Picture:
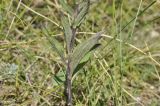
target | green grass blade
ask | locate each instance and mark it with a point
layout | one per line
(138, 15)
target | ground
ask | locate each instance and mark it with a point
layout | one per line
(123, 71)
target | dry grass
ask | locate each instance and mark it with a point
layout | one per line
(119, 73)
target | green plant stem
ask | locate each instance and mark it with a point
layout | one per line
(68, 85)
(68, 72)
(77, 18)
(73, 38)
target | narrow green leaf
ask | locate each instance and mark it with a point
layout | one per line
(78, 69)
(66, 7)
(82, 11)
(56, 46)
(86, 57)
(67, 31)
(59, 78)
(82, 49)
(84, 60)
(141, 13)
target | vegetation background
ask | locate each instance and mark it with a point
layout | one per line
(124, 71)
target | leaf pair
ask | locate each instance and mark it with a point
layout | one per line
(78, 13)
(80, 52)
(77, 17)
(82, 10)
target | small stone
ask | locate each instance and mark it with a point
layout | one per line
(152, 87)
(154, 34)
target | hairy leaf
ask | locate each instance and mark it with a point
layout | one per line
(82, 11)
(66, 7)
(56, 46)
(85, 59)
(67, 31)
(82, 49)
